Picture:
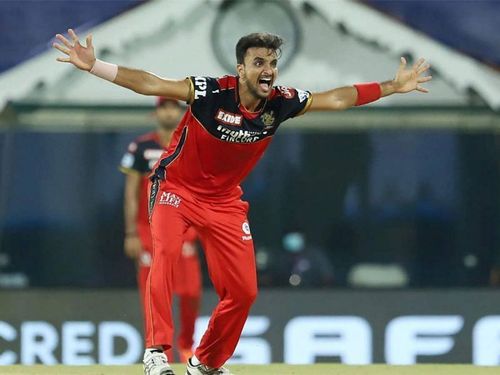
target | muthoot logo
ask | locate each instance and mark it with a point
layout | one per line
(169, 199)
(245, 227)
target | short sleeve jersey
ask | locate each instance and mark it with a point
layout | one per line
(142, 154)
(218, 141)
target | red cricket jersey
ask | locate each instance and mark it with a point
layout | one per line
(218, 142)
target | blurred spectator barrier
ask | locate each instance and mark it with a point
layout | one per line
(417, 187)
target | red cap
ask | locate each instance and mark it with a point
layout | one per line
(160, 100)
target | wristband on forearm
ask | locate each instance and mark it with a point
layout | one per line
(104, 70)
(368, 92)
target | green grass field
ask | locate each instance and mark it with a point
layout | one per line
(275, 369)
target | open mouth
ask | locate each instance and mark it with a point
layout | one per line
(265, 83)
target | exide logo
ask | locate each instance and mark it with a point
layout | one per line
(228, 118)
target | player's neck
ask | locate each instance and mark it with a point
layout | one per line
(247, 99)
(165, 136)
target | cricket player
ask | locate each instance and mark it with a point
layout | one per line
(229, 124)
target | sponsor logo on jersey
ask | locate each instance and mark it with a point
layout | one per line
(268, 119)
(170, 199)
(287, 92)
(245, 227)
(237, 136)
(229, 118)
(200, 87)
(303, 95)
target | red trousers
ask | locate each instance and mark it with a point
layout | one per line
(187, 286)
(226, 239)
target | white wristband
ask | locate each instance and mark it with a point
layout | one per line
(104, 70)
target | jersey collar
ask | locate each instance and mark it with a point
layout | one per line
(245, 112)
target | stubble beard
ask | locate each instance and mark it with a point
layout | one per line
(255, 92)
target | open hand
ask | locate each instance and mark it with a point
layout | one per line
(407, 80)
(78, 55)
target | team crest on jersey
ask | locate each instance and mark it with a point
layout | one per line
(268, 119)
(229, 118)
(287, 92)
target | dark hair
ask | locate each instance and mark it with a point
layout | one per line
(265, 40)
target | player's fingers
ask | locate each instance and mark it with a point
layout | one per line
(63, 59)
(63, 40)
(88, 41)
(422, 89)
(422, 68)
(61, 48)
(418, 63)
(424, 79)
(402, 63)
(73, 36)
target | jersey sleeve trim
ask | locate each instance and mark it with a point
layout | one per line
(306, 107)
(190, 98)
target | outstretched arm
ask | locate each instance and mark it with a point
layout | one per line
(406, 80)
(83, 57)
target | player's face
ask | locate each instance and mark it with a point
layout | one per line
(259, 71)
(168, 115)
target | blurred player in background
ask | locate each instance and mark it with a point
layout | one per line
(226, 130)
(141, 156)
